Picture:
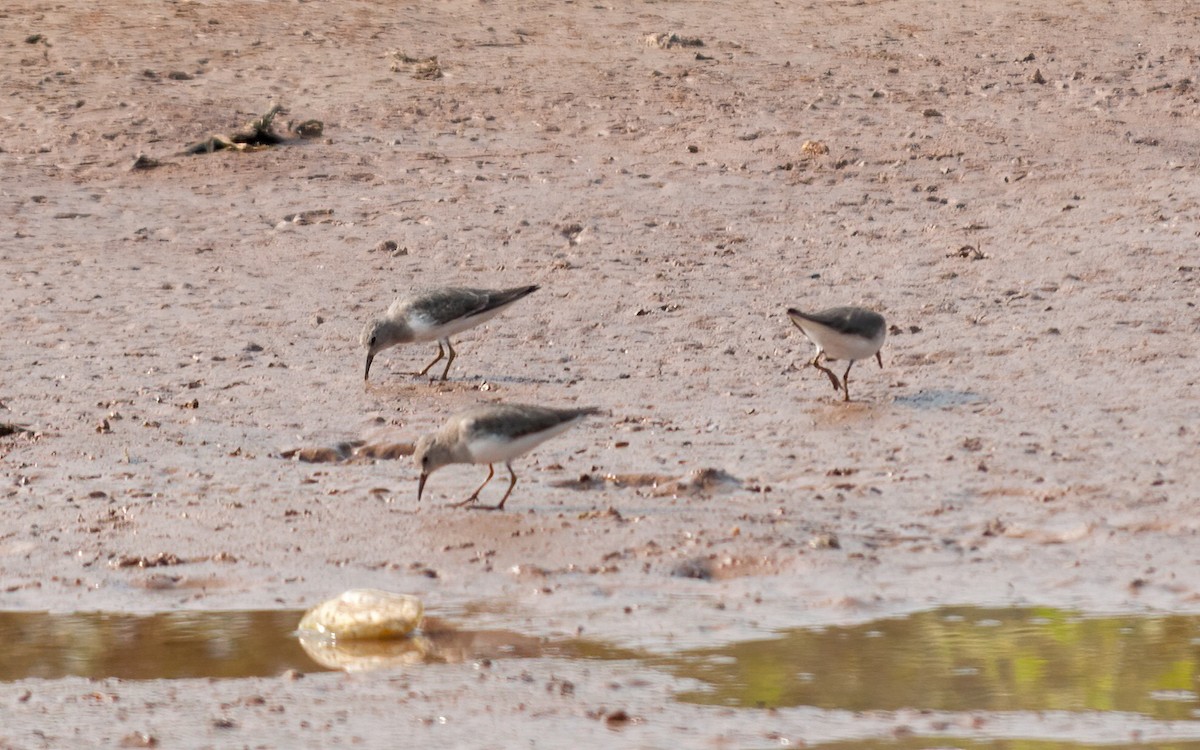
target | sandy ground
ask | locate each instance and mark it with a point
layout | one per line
(1013, 184)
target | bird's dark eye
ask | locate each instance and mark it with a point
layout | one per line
(372, 341)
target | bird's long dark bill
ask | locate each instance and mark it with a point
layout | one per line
(367, 373)
(879, 359)
(421, 486)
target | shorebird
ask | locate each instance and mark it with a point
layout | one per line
(489, 435)
(850, 333)
(436, 315)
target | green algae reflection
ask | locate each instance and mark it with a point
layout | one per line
(962, 659)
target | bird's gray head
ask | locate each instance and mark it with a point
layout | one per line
(373, 339)
(372, 335)
(429, 456)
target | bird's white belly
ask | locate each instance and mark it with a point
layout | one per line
(840, 346)
(493, 448)
(425, 329)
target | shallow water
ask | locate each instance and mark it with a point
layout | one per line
(160, 646)
(962, 659)
(952, 659)
(225, 645)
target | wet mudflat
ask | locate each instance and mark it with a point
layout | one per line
(184, 426)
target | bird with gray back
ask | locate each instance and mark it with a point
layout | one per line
(850, 333)
(436, 315)
(490, 435)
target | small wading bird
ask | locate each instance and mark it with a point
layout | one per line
(490, 435)
(850, 333)
(436, 315)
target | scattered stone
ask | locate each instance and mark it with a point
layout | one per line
(814, 148)
(825, 540)
(364, 614)
(420, 68)
(154, 561)
(312, 216)
(609, 512)
(307, 128)
(141, 161)
(617, 718)
(697, 567)
(671, 40)
(571, 232)
(1037, 77)
(698, 482)
(970, 252)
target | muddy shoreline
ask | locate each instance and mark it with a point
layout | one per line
(1009, 184)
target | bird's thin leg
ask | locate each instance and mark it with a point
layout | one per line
(832, 378)
(879, 359)
(453, 354)
(475, 495)
(512, 483)
(846, 381)
(436, 359)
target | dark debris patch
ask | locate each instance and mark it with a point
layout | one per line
(700, 568)
(142, 561)
(258, 133)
